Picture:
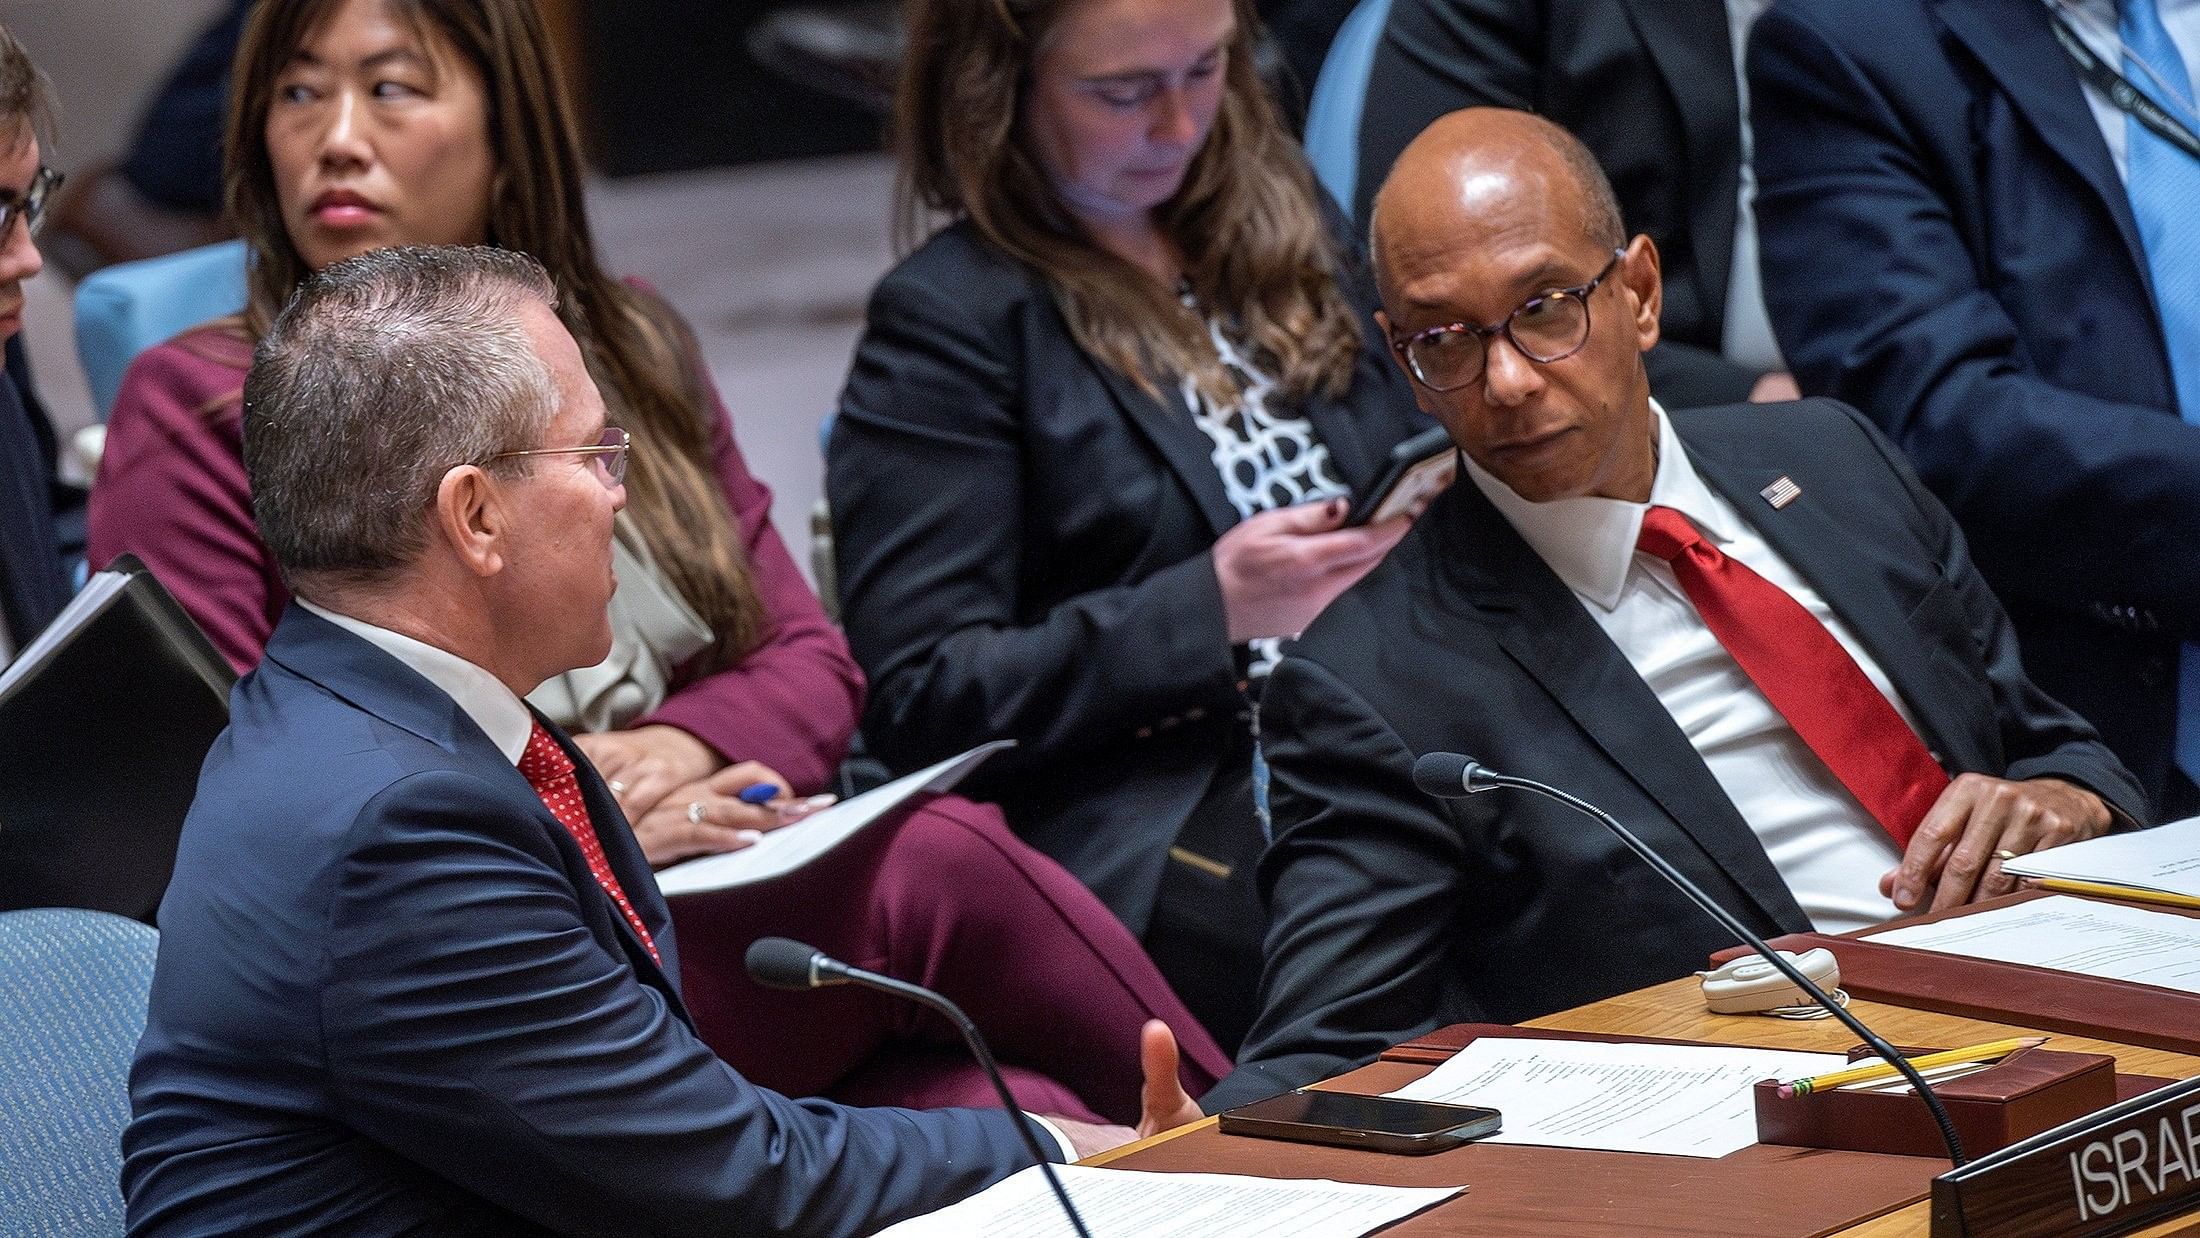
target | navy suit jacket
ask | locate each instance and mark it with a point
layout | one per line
(1947, 246)
(1394, 913)
(390, 998)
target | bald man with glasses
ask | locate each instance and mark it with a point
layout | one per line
(1747, 631)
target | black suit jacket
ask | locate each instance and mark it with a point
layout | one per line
(1948, 247)
(391, 999)
(1394, 913)
(1647, 85)
(1022, 537)
(34, 583)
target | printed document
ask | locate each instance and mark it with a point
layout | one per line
(1125, 1203)
(2165, 859)
(789, 847)
(1676, 1100)
(2070, 934)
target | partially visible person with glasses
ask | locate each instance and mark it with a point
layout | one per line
(362, 124)
(34, 504)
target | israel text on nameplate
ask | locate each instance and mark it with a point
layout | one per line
(2105, 1173)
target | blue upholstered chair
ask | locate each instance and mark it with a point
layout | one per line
(1340, 95)
(73, 987)
(123, 310)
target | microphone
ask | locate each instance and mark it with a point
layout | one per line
(1451, 776)
(781, 963)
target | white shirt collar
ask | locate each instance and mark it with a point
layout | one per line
(1590, 542)
(501, 716)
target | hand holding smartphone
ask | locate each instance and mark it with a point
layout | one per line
(1376, 1123)
(1418, 470)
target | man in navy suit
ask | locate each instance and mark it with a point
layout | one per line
(414, 974)
(33, 582)
(1747, 631)
(1968, 240)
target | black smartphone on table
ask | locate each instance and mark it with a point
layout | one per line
(1417, 470)
(1376, 1123)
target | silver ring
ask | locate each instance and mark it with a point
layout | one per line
(617, 787)
(695, 812)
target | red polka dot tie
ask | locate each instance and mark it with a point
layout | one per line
(1806, 674)
(550, 772)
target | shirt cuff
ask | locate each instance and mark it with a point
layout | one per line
(1061, 1141)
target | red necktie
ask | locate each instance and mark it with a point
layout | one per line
(550, 772)
(1806, 674)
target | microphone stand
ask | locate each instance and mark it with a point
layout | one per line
(1490, 779)
(824, 970)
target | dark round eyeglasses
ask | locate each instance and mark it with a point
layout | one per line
(610, 452)
(31, 206)
(1545, 328)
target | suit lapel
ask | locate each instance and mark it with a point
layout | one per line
(1849, 572)
(1169, 428)
(1546, 630)
(2012, 40)
(1699, 73)
(376, 683)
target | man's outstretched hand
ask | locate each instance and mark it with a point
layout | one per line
(1164, 1105)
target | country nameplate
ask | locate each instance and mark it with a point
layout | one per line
(2106, 1173)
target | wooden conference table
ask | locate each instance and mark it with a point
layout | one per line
(1675, 1011)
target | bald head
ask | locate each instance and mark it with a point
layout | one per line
(1491, 166)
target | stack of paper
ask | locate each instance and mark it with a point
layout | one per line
(2164, 860)
(1677, 1100)
(2070, 934)
(1123, 1203)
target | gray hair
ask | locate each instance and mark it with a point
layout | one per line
(382, 373)
(26, 97)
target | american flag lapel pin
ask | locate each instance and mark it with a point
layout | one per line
(1781, 493)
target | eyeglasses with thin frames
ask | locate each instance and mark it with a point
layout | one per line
(32, 205)
(610, 451)
(1550, 327)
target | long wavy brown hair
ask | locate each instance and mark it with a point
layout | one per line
(640, 353)
(1246, 218)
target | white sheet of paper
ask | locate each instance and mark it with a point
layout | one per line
(1675, 1100)
(789, 847)
(1126, 1203)
(2165, 858)
(2073, 935)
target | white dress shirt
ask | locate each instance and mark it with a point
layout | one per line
(502, 716)
(1828, 849)
(2096, 23)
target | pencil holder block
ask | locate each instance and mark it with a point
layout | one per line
(2025, 1093)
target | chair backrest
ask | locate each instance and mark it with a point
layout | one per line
(1340, 96)
(73, 988)
(125, 309)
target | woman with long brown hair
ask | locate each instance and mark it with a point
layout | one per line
(359, 124)
(1094, 454)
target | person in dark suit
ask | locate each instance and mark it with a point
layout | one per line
(1953, 245)
(1651, 86)
(1747, 632)
(1096, 449)
(432, 988)
(34, 583)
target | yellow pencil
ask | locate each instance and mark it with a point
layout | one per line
(1992, 1051)
(2064, 885)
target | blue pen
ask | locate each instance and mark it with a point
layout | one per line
(759, 793)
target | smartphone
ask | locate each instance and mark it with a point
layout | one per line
(1377, 1123)
(1418, 469)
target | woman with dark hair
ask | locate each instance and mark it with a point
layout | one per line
(358, 124)
(1094, 455)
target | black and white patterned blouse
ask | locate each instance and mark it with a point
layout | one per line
(1267, 456)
